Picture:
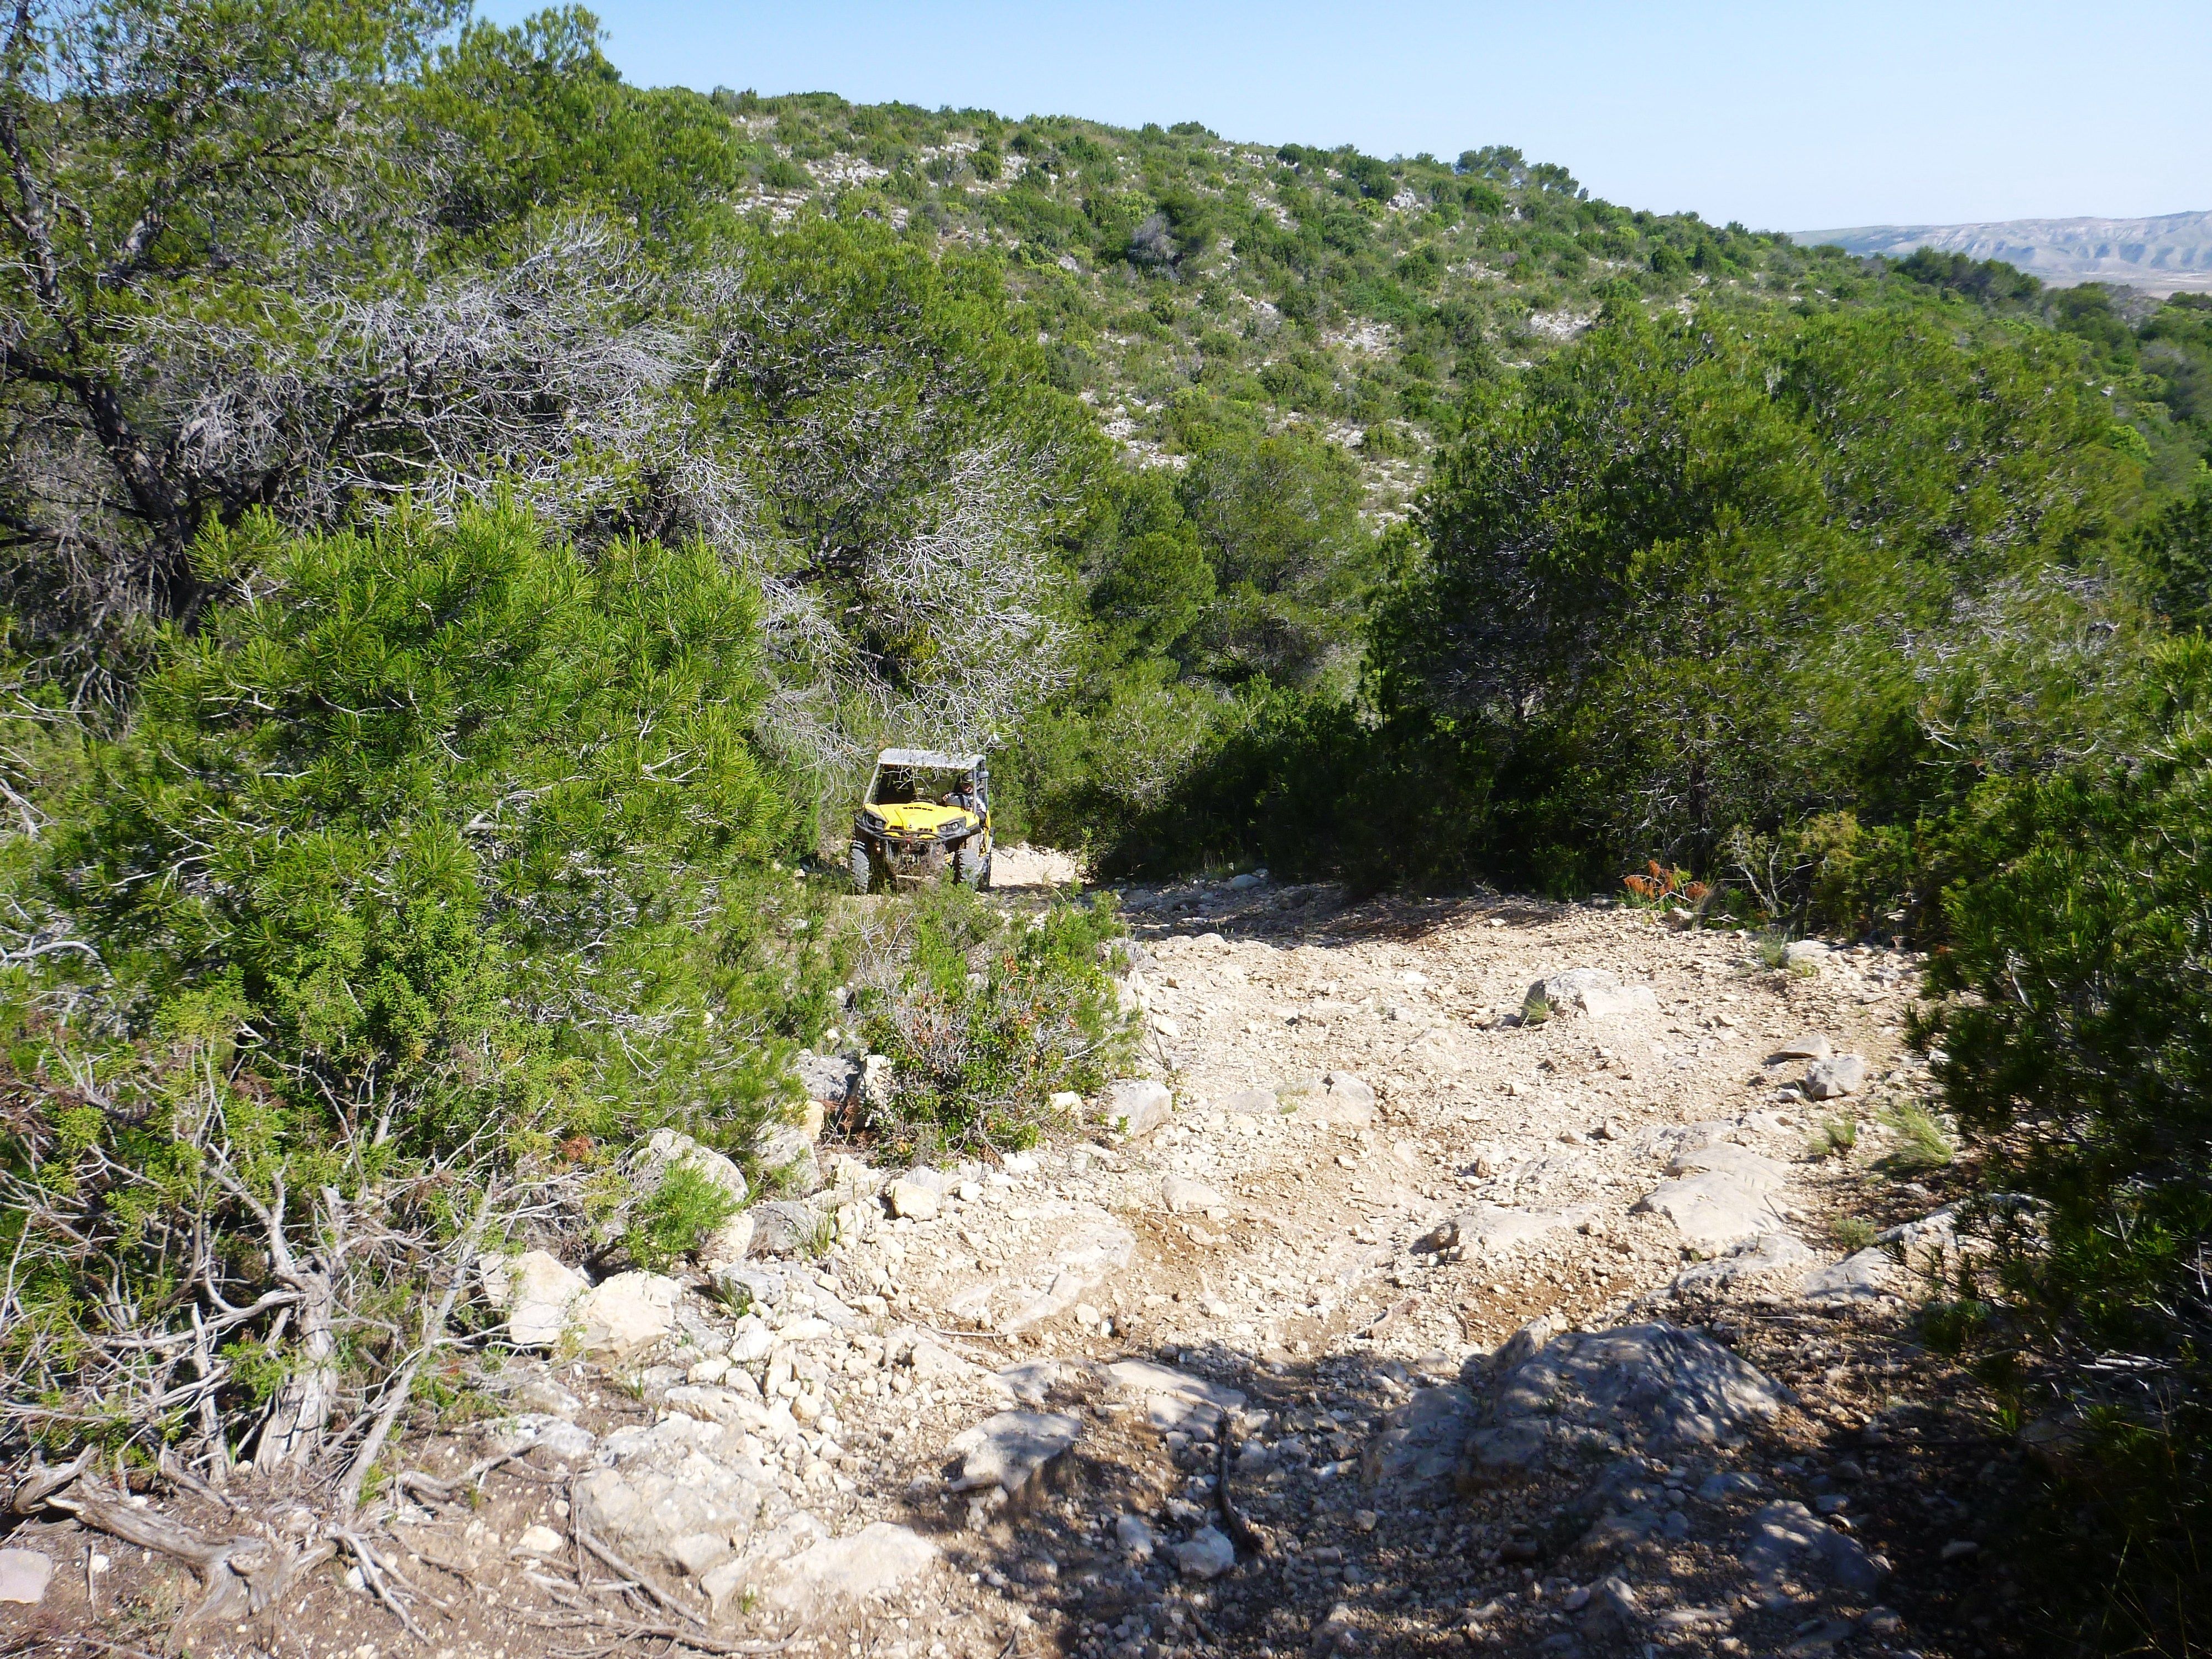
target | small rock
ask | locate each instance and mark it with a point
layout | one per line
(1184, 1196)
(1804, 953)
(1065, 1103)
(1803, 1048)
(537, 1291)
(24, 1576)
(1134, 1537)
(913, 1201)
(1835, 1076)
(1007, 1448)
(1786, 1538)
(1244, 883)
(1335, 1633)
(539, 1540)
(1729, 1483)
(876, 1080)
(783, 1227)
(1959, 1548)
(1137, 1106)
(1612, 1610)
(1208, 1554)
(730, 1243)
(1590, 991)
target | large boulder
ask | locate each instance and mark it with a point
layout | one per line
(1867, 1275)
(784, 1226)
(786, 1149)
(1091, 1250)
(1657, 1386)
(1768, 1256)
(669, 1149)
(1497, 1229)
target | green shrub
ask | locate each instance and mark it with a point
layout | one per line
(681, 1214)
(2074, 1041)
(985, 1019)
(1922, 1144)
(438, 860)
(1852, 1233)
(1835, 1138)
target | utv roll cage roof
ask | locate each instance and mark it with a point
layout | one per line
(934, 758)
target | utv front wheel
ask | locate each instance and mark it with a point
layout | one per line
(972, 865)
(862, 868)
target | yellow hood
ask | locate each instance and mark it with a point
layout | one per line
(918, 818)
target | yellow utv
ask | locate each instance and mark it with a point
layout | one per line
(927, 816)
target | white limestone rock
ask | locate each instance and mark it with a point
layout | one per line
(537, 1291)
(1137, 1106)
(1589, 991)
(1184, 1196)
(1008, 1448)
(627, 1312)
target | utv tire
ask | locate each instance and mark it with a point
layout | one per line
(970, 868)
(862, 868)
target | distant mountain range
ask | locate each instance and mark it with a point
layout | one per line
(2159, 256)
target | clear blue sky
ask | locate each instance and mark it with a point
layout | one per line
(1790, 114)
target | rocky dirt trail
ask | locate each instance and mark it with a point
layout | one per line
(1380, 1317)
